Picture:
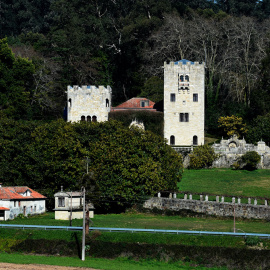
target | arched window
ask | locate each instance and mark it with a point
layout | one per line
(187, 78)
(69, 102)
(88, 118)
(195, 140)
(107, 103)
(82, 118)
(181, 78)
(172, 140)
(94, 118)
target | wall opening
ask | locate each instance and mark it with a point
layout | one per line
(107, 102)
(172, 97)
(172, 140)
(82, 118)
(195, 140)
(94, 118)
(88, 118)
(69, 103)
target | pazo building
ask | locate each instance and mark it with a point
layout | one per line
(184, 103)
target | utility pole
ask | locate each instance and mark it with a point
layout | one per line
(234, 217)
(70, 218)
(83, 236)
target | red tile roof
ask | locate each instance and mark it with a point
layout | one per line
(134, 103)
(11, 193)
(4, 208)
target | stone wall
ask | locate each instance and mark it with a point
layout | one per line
(88, 103)
(222, 209)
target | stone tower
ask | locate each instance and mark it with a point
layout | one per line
(184, 103)
(88, 103)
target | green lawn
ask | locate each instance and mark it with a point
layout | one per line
(150, 221)
(106, 264)
(227, 182)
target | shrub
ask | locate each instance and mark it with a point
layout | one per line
(250, 160)
(252, 240)
(202, 157)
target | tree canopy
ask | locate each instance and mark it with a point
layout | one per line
(125, 164)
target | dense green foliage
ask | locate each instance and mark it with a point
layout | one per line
(125, 43)
(125, 164)
(202, 156)
(251, 160)
(153, 121)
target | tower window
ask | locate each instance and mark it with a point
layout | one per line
(184, 117)
(69, 102)
(82, 118)
(107, 103)
(195, 97)
(172, 97)
(195, 140)
(172, 140)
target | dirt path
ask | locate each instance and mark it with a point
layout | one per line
(39, 267)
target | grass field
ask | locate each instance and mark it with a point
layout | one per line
(106, 264)
(150, 221)
(227, 182)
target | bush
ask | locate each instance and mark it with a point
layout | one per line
(202, 157)
(250, 160)
(252, 240)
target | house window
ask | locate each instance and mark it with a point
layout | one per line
(94, 118)
(172, 97)
(61, 202)
(14, 203)
(35, 209)
(195, 140)
(172, 140)
(82, 118)
(195, 97)
(144, 103)
(19, 203)
(181, 78)
(184, 117)
(187, 78)
(88, 118)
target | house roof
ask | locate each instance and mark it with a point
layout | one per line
(12, 193)
(68, 194)
(184, 61)
(4, 208)
(135, 103)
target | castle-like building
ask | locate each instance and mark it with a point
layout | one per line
(88, 103)
(184, 103)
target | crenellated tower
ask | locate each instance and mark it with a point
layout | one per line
(88, 103)
(184, 103)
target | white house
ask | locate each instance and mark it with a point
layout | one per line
(20, 200)
(70, 205)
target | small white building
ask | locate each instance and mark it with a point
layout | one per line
(70, 204)
(20, 200)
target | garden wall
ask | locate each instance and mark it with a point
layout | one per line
(223, 209)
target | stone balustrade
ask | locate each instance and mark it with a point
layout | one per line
(218, 198)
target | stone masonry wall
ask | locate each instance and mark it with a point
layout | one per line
(222, 209)
(184, 102)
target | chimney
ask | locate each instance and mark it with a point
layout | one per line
(61, 188)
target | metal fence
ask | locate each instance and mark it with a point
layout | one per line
(128, 230)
